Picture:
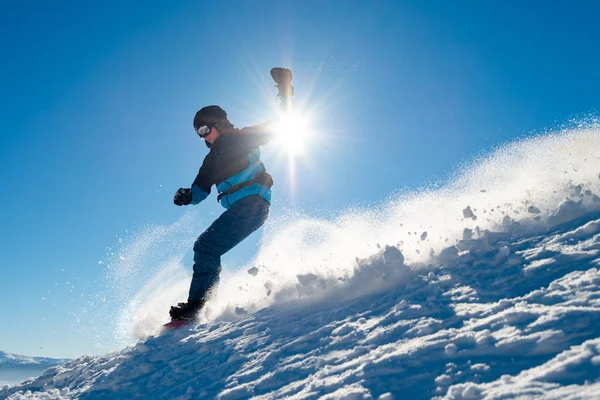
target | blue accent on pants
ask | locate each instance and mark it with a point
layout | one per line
(234, 225)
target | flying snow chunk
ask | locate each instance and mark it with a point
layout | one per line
(392, 254)
(253, 271)
(307, 279)
(467, 234)
(241, 311)
(533, 210)
(468, 213)
(424, 235)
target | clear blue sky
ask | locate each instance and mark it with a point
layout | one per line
(98, 98)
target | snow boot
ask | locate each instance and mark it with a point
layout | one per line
(186, 311)
(283, 78)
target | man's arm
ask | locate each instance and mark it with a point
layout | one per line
(258, 135)
(202, 183)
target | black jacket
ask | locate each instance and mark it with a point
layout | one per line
(234, 158)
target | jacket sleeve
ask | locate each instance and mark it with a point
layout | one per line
(258, 135)
(203, 182)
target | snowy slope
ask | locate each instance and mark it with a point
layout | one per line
(486, 288)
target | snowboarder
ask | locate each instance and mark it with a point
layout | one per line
(233, 164)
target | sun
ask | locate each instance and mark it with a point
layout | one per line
(293, 133)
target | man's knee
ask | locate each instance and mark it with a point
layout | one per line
(205, 247)
(206, 262)
(208, 276)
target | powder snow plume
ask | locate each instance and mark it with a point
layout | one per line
(524, 186)
(486, 287)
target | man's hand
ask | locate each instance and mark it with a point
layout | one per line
(183, 197)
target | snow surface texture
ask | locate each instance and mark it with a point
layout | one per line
(485, 288)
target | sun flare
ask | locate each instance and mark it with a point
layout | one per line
(293, 134)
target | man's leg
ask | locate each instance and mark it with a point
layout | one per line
(233, 226)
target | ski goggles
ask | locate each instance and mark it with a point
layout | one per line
(204, 130)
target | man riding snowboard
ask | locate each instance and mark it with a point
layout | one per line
(233, 164)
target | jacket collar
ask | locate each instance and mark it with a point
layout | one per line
(226, 132)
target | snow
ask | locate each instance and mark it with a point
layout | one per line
(505, 304)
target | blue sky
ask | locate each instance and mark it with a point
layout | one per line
(98, 98)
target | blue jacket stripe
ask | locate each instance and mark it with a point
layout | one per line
(198, 194)
(247, 174)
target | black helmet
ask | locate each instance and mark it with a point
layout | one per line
(211, 115)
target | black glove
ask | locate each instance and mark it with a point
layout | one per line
(183, 197)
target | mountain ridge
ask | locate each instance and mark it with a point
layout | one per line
(8, 359)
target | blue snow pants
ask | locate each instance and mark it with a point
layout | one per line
(234, 225)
